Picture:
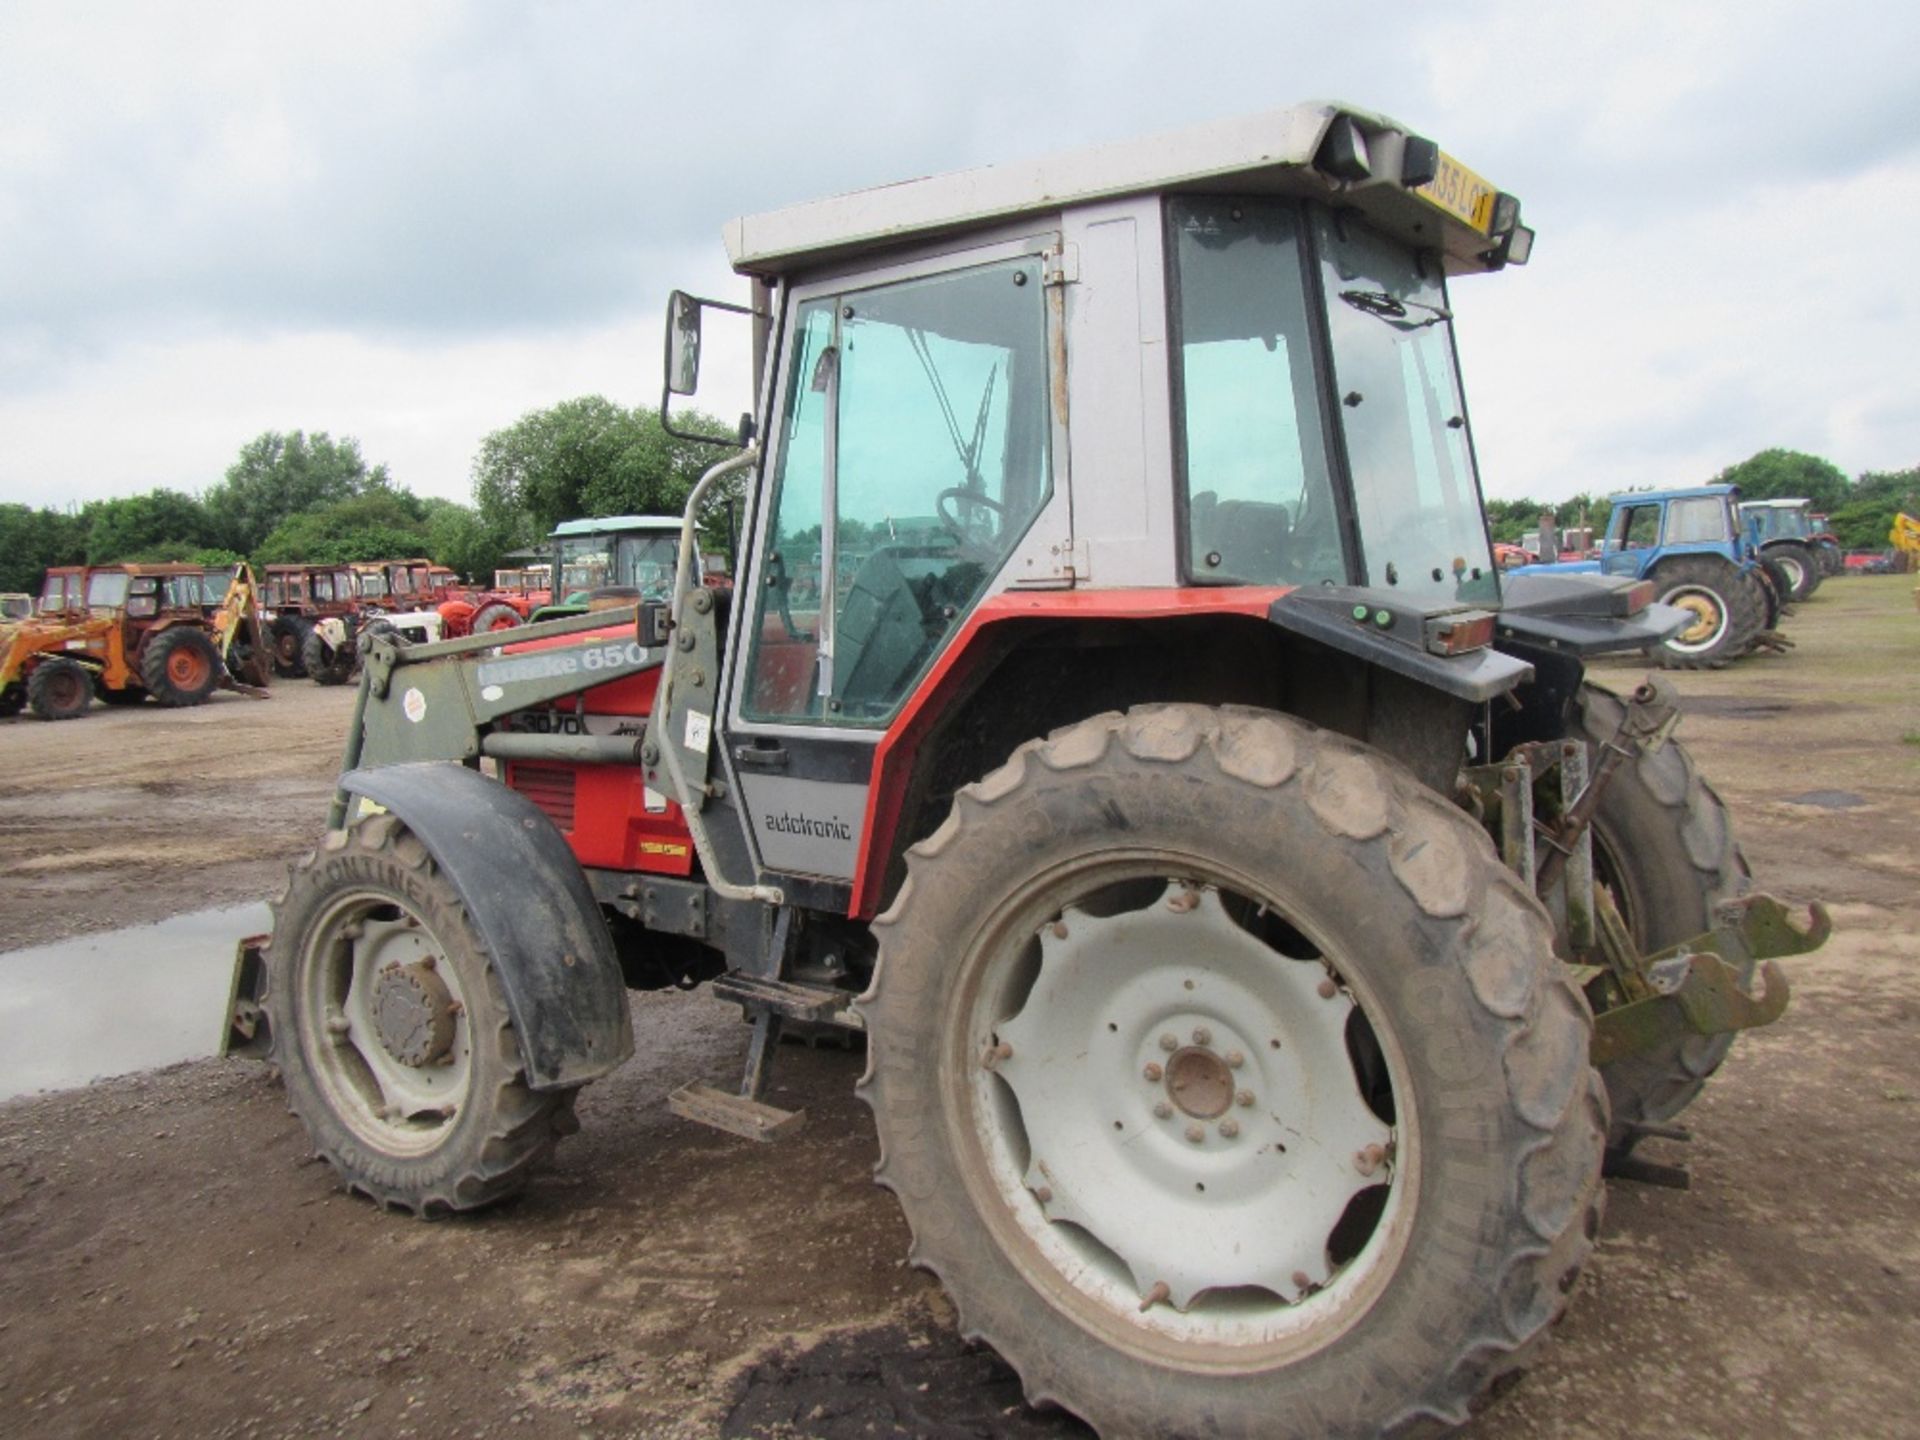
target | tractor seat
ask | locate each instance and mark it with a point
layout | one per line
(1251, 537)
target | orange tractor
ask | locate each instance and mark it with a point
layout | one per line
(124, 632)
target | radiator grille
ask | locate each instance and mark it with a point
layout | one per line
(548, 786)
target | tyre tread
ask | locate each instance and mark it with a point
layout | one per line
(1556, 1198)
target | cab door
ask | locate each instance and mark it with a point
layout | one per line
(912, 453)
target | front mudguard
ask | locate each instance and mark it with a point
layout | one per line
(532, 906)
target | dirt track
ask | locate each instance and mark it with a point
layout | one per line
(172, 1262)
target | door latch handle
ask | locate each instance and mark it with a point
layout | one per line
(761, 757)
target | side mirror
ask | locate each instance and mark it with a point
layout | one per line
(683, 343)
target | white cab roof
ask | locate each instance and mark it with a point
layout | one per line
(1269, 153)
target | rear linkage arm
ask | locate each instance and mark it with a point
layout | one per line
(1694, 988)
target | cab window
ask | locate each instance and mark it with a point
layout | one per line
(1698, 521)
(914, 454)
(1636, 527)
(107, 589)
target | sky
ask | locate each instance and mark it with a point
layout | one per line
(412, 223)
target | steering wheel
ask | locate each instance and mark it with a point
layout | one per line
(976, 540)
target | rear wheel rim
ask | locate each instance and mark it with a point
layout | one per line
(68, 690)
(1710, 618)
(1129, 1009)
(187, 668)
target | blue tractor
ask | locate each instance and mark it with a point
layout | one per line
(1690, 543)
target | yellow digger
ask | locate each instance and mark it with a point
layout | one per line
(1905, 536)
(126, 632)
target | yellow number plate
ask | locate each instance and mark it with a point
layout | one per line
(1460, 192)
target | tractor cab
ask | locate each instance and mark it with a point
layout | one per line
(1105, 395)
(631, 552)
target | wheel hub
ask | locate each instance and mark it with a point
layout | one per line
(413, 1013)
(1199, 1083)
(1707, 618)
(1188, 1098)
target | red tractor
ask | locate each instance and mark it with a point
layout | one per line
(510, 602)
(1261, 930)
(297, 598)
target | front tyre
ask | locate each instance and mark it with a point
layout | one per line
(60, 689)
(1229, 1083)
(326, 664)
(391, 1031)
(1664, 848)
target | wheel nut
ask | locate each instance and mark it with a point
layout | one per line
(1169, 1042)
(1328, 989)
(1202, 1035)
(1302, 1280)
(996, 1053)
(1043, 1193)
(1059, 930)
(1229, 1128)
(1196, 1134)
(1234, 1059)
(1369, 1159)
(1244, 1098)
(1163, 1111)
(1153, 1071)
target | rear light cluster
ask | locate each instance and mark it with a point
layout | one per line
(1457, 634)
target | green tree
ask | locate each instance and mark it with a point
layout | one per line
(278, 476)
(31, 540)
(378, 525)
(159, 525)
(583, 457)
(1877, 496)
(1789, 475)
(458, 537)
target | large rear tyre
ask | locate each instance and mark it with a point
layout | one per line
(325, 664)
(1770, 584)
(391, 1031)
(1726, 610)
(180, 668)
(496, 615)
(1802, 570)
(1229, 1083)
(60, 689)
(1664, 848)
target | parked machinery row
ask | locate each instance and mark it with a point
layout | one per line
(1734, 566)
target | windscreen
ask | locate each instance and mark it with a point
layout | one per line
(107, 589)
(1416, 494)
(585, 562)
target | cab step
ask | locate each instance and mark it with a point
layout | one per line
(736, 1114)
(815, 1003)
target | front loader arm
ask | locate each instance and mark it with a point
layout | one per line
(440, 701)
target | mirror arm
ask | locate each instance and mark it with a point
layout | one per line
(744, 436)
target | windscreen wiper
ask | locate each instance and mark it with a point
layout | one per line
(1393, 310)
